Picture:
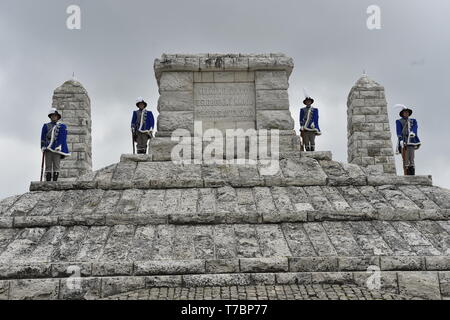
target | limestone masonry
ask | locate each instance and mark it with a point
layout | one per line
(74, 104)
(368, 131)
(223, 91)
(146, 224)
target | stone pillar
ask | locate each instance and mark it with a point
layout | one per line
(73, 102)
(368, 132)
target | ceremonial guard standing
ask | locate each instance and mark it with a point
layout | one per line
(309, 124)
(142, 124)
(408, 140)
(53, 145)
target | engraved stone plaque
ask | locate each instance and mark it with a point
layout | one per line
(225, 105)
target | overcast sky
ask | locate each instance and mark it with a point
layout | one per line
(113, 53)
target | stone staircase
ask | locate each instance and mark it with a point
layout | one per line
(144, 223)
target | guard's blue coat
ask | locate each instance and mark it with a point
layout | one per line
(58, 141)
(145, 123)
(409, 140)
(311, 124)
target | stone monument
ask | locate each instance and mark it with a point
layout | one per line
(223, 91)
(72, 101)
(368, 131)
(146, 222)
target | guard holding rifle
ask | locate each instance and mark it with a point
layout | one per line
(53, 145)
(142, 124)
(309, 124)
(408, 140)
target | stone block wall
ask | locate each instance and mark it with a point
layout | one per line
(72, 101)
(247, 91)
(368, 131)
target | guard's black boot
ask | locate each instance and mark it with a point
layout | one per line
(48, 176)
(412, 171)
(313, 148)
(55, 176)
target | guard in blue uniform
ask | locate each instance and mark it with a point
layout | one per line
(309, 124)
(408, 140)
(54, 144)
(142, 124)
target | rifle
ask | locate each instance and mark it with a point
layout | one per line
(132, 141)
(42, 165)
(405, 169)
(302, 145)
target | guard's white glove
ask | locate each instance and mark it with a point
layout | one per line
(302, 128)
(402, 144)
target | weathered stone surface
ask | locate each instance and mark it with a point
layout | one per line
(318, 155)
(340, 174)
(331, 277)
(419, 284)
(272, 100)
(368, 128)
(274, 119)
(34, 289)
(72, 101)
(293, 278)
(444, 280)
(176, 81)
(357, 263)
(216, 280)
(119, 268)
(263, 264)
(115, 285)
(163, 281)
(313, 264)
(271, 80)
(176, 101)
(148, 222)
(80, 289)
(388, 280)
(172, 120)
(437, 263)
(221, 62)
(169, 267)
(402, 263)
(399, 180)
(224, 105)
(222, 266)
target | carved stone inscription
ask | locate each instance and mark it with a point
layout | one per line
(225, 104)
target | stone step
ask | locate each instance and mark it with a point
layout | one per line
(421, 284)
(139, 219)
(34, 270)
(318, 155)
(225, 205)
(128, 243)
(162, 183)
(136, 172)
